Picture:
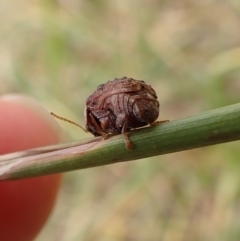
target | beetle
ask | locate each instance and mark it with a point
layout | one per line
(120, 105)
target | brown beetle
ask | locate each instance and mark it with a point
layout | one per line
(120, 105)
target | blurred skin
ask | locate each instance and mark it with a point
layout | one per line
(26, 204)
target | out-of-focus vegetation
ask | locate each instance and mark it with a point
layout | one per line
(189, 51)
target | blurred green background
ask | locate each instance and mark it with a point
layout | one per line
(189, 51)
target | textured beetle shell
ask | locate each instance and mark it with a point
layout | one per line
(121, 105)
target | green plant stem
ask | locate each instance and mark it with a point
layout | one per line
(209, 128)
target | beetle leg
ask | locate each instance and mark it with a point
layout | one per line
(96, 125)
(105, 136)
(128, 143)
(158, 122)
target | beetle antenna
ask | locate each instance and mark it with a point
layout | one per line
(69, 121)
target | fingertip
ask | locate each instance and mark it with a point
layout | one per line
(25, 124)
(27, 203)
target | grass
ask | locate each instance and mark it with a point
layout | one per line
(213, 127)
(58, 52)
